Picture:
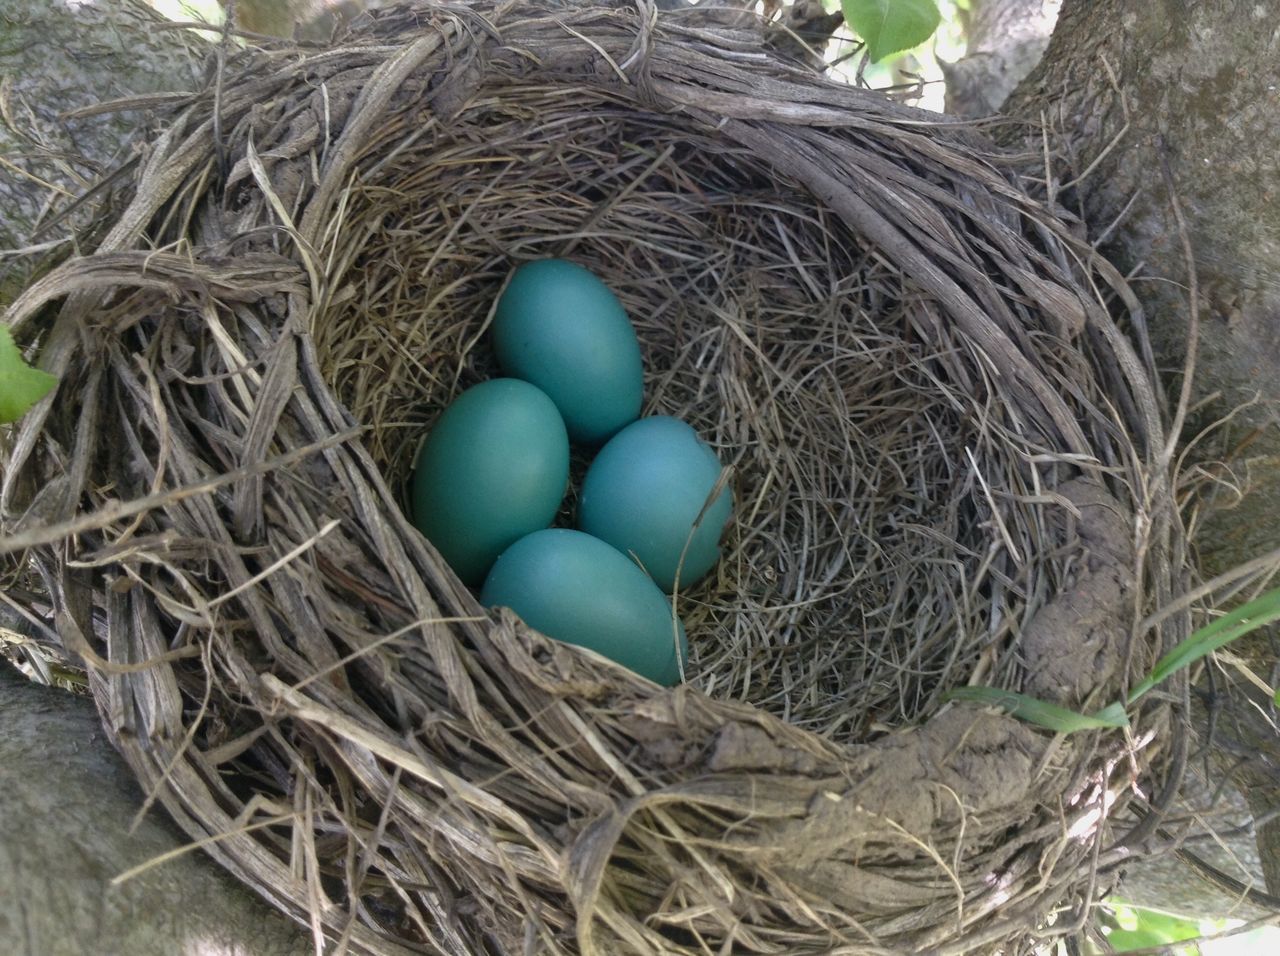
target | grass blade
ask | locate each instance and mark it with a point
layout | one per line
(1042, 713)
(1223, 631)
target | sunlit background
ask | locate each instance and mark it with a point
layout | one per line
(914, 71)
(918, 67)
(210, 11)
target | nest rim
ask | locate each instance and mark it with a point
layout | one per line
(147, 715)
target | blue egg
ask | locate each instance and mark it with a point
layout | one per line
(559, 327)
(494, 468)
(643, 493)
(577, 589)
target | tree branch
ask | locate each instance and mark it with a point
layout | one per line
(68, 801)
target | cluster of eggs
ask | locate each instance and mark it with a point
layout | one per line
(492, 474)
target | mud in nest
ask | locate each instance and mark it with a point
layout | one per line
(945, 458)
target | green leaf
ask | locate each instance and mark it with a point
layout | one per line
(1223, 631)
(891, 25)
(1040, 712)
(21, 386)
(1129, 927)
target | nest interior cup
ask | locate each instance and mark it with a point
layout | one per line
(941, 447)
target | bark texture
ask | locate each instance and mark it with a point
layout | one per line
(1132, 87)
(68, 803)
(56, 57)
(68, 798)
(1006, 39)
(309, 19)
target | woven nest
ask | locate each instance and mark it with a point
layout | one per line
(946, 457)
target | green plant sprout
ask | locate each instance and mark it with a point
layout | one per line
(1128, 926)
(21, 386)
(1231, 626)
(1216, 634)
(1040, 712)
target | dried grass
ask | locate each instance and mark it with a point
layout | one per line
(945, 457)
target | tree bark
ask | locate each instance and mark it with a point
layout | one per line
(1137, 92)
(55, 58)
(307, 19)
(64, 835)
(1005, 41)
(68, 798)
(1196, 87)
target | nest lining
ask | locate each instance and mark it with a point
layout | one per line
(857, 578)
(738, 350)
(867, 319)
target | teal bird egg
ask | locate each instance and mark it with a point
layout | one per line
(643, 494)
(579, 590)
(559, 327)
(494, 468)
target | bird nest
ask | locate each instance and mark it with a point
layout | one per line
(945, 456)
